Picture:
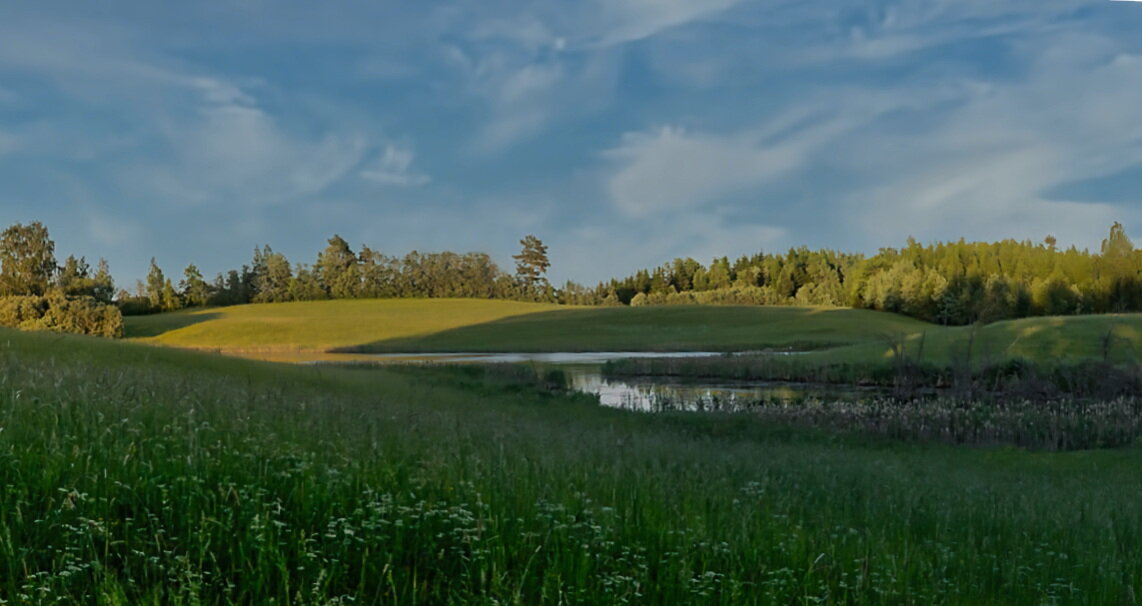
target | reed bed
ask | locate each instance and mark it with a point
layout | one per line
(1013, 378)
(1054, 425)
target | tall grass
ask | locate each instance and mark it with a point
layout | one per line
(136, 476)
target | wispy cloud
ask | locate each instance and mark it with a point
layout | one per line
(394, 167)
(670, 169)
(647, 128)
(622, 21)
(214, 145)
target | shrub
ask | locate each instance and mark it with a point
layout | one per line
(56, 312)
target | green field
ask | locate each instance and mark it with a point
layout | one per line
(1047, 339)
(138, 475)
(420, 325)
(434, 325)
(317, 325)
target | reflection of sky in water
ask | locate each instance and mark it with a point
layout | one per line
(650, 395)
(588, 357)
(644, 394)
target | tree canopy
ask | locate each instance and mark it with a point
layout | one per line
(27, 260)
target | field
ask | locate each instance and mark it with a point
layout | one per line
(139, 475)
(419, 325)
(317, 325)
(306, 331)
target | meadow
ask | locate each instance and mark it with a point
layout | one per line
(834, 335)
(315, 326)
(141, 475)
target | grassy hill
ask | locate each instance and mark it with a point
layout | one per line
(435, 325)
(317, 325)
(141, 475)
(420, 325)
(1117, 337)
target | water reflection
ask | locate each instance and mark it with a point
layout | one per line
(650, 394)
(556, 358)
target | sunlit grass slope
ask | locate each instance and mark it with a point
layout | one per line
(418, 325)
(136, 475)
(318, 325)
(1047, 339)
(426, 325)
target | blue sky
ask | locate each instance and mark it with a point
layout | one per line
(621, 132)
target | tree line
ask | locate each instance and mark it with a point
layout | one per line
(951, 283)
(38, 294)
(339, 272)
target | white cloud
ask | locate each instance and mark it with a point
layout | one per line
(622, 21)
(238, 154)
(671, 169)
(523, 94)
(981, 169)
(217, 91)
(394, 167)
(216, 144)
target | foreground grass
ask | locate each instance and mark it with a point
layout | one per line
(131, 475)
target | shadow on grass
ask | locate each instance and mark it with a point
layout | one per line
(141, 327)
(672, 328)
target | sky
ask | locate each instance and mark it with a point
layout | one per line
(622, 133)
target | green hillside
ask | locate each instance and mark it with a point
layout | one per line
(667, 328)
(304, 330)
(418, 325)
(318, 325)
(1118, 337)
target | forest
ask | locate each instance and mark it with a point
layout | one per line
(950, 283)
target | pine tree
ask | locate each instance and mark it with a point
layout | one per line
(531, 264)
(103, 288)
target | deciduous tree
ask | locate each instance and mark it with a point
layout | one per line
(27, 260)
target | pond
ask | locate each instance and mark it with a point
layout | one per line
(650, 394)
(666, 394)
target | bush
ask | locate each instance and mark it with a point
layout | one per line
(57, 312)
(15, 311)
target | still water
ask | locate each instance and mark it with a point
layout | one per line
(648, 394)
(665, 394)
